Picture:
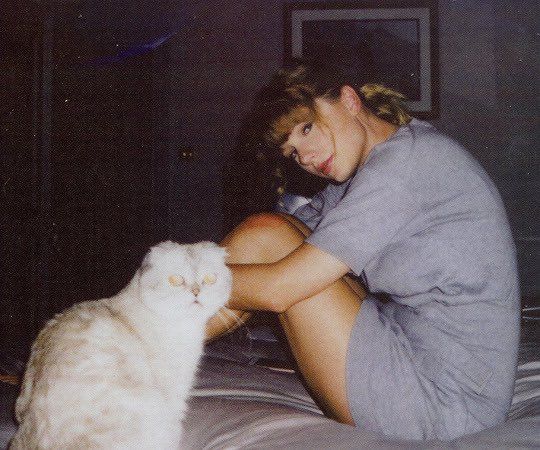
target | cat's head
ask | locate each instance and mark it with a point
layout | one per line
(185, 280)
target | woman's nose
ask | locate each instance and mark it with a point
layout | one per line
(305, 157)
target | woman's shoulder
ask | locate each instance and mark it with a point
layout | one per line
(418, 159)
(427, 140)
(420, 147)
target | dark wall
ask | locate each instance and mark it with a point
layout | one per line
(84, 171)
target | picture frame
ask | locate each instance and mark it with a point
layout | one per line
(394, 43)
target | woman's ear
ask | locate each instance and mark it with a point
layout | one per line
(350, 98)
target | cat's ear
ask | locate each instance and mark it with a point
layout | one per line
(146, 264)
(151, 255)
(166, 245)
(222, 251)
(145, 274)
(156, 251)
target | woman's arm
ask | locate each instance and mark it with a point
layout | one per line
(277, 286)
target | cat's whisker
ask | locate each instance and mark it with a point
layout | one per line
(226, 312)
(220, 314)
(229, 314)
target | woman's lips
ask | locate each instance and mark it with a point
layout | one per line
(326, 166)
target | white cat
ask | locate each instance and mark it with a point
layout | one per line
(115, 373)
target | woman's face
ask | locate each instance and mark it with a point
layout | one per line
(333, 145)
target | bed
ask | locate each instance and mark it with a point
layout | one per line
(249, 395)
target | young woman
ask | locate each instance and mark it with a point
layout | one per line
(408, 215)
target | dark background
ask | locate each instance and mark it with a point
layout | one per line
(121, 126)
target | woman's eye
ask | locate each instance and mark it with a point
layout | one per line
(307, 128)
(293, 154)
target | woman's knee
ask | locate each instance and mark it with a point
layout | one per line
(266, 221)
(263, 237)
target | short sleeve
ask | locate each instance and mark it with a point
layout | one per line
(312, 213)
(376, 205)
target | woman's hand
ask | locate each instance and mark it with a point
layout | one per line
(277, 286)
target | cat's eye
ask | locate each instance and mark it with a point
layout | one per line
(210, 278)
(176, 280)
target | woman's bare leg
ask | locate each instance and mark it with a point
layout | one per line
(318, 328)
(253, 241)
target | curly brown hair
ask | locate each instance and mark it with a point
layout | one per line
(289, 99)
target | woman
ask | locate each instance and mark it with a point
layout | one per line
(413, 217)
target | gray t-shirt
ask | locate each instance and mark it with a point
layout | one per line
(422, 222)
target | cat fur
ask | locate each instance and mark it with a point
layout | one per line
(116, 373)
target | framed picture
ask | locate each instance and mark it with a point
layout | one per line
(392, 42)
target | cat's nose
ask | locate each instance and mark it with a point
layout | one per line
(195, 289)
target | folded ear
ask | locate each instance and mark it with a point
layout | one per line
(144, 272)
(144, 267)
(222, 251)
(155, 252)
(149, 259)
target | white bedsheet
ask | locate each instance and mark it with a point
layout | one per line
(237, 404)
